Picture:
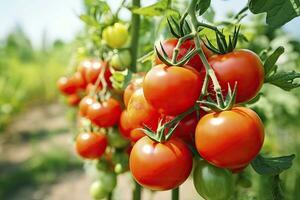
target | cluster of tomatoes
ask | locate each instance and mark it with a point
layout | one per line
(226, 141)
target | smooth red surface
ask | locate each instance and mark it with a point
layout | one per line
(73, 99)
(67, 85)
(160, 166)
(241, 66)
(169, 46)
(85, 104)
(230, 139)
(133, 86)
(92, 72)
(104, 114)
(172, 90)
(91, 145)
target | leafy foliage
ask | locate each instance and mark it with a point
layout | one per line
(278, 12)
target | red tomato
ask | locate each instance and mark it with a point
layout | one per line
(230, 139)
(172, 90)
(133, 86)
(124, 124)
(92, 73)
(73, 99)
(169, 46)
(241, 66)
(83, 67)
(67, 85)
(91, 145)
(105, 114)
(84, 104)
(160, 166)
(79, 80)
(140, 113)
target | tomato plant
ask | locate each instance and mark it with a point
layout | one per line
(160, 166)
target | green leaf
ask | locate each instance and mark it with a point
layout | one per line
(270, 61)
(202, 6)
(156, 9)
(272, 166)
(284, 80)
(278, 12)
(89, 20)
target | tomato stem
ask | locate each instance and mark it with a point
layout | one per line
(175, 194)
(135, 27)
(137, 191)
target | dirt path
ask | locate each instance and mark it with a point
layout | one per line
(17, 148)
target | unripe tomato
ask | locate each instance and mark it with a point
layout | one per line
(241, 66)
(115, 36)
(92, 73)
(170, 44)
(73, 99)
(213, 183)
(230, 139)
(98, 190)
(171, 89)
(160, 166)
(109, 179)
(91, 145)
(84, 104)
(105, 114)
(66, 85)
(121, 60)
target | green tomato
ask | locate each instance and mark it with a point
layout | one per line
(213, 183)
(115, 36)
(121, 60)
(120, 160)
(115, 139)
(98, 190)
(109, 179)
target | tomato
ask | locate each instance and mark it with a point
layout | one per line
(84, 66)
(91, 87)
(172, 90)
(91, 145)
(213, 183)
(171, 43)
(79, 80)
(230, 139)
(124, 125)
(133, 86)
(73, 99)
(116, 140)
(115, 36)
(140, 113)
(67, 85)
(121, 60)
(160, 166)
(105, 114)
(84, 104)
(92, 73)
(241, 66)
(104, 185)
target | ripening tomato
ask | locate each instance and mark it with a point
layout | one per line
(140, 113)
(79, 80)
(241, 66)
(67, 85)
(124, 125)
(73, 99)
(170, 44)
(133, 86)
(91, 145)
(115, 36)
(105, 184)
(105, 114)
(83, 67)
(84, 104)
(160, 166)
(171, 89)
(230, 139)
(121, 60)
(213, 183)
(92, 73)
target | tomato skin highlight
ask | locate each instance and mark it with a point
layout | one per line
(213, 183)
(170, 44)
(160, 166)
(91, 145)
(84, 105)
(230, 139)
(241, 66)
(66, 85)
(172, 90)
(104, 114)
(92, 73)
